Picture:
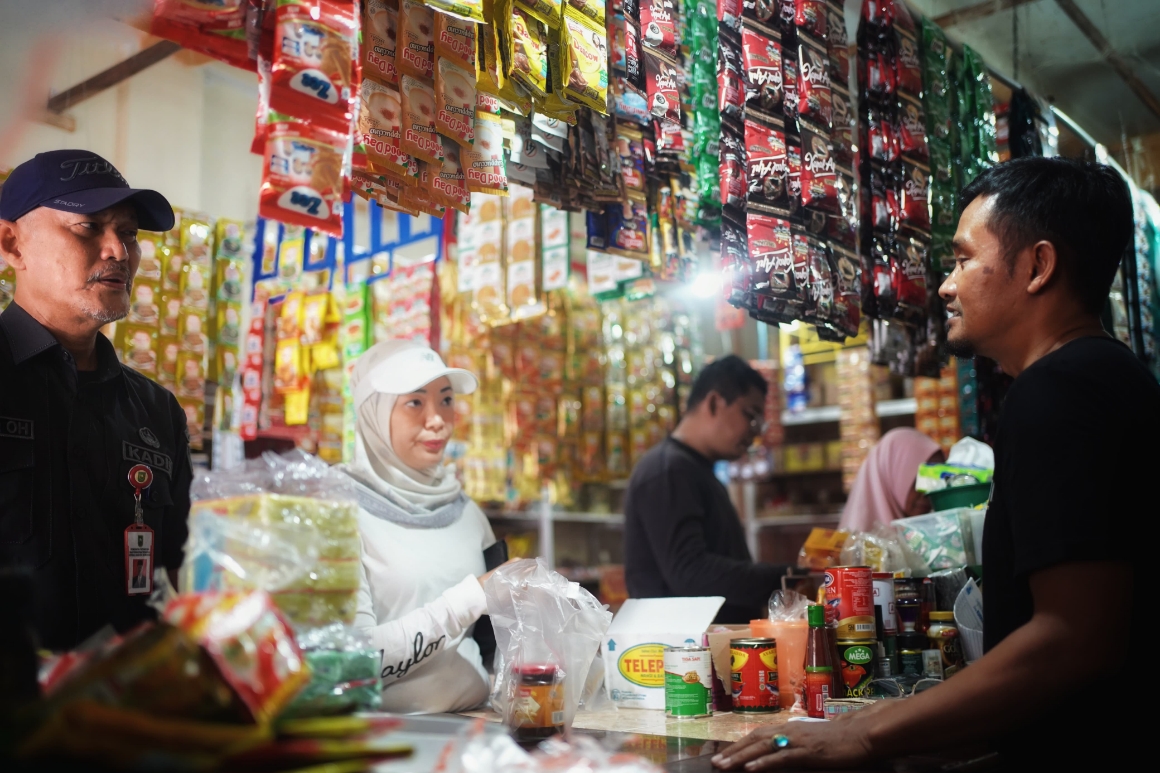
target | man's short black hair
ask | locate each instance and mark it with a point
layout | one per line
(731, 377)
(1083, 209)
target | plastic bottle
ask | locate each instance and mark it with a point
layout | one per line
(819, 663)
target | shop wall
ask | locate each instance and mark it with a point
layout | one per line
(183, 126)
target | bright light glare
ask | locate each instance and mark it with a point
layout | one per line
(706, 284)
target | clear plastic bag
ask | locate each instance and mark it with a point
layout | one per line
(936, 541)
(284, 524)
(546, 628)
(344, 673)
(879, 549)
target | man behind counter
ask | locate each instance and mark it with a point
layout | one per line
(73, 420)
(682, 536)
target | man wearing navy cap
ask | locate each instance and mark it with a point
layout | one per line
(74, 422)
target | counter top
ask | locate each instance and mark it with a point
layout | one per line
(723, 726)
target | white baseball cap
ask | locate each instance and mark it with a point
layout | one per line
(399, 367)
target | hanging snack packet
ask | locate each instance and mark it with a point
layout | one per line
(838, 45)
(661, 83)
(879, 79)
(730, 81)
(419, 111)
(216, 29)
(908, 262)
(793, 149)
(770, 249)
(484, 162)
(800, 246)
(658, 26)
(883, 199)
(820, 304)
(416, 48)
(380, 25)
(628, 229)
(455, 39)
(912, 128)
(790, 86)
(313, 74)
(594, 11)
(847, 290)
(819, 172)
(449, 187)
(584, 59)
(881, 141)
(914, 196)
(810, 16)
(815, 102)
(380, 124)
(767, 161)
(529, 54)
(303, 180)
(878, 14)
(761, 62)
(630, 150)
(550, 12)
(907, 63)
(455, 102)
(842, 132)
(419, 197)
(731, 167)
(467, 10)
(729, 14)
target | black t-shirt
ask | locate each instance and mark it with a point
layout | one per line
(682, 536)
(1076, 457)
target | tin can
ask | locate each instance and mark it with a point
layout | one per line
(855, 667)
(753, 663)
(883, 583)
(688, 682)
(850, 601)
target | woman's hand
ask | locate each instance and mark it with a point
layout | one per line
(483, 578)
(811, 745)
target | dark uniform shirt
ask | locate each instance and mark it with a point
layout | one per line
(67, 441)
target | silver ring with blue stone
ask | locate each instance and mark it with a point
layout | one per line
(778, 742)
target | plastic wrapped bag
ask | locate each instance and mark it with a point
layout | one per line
(787, 605)
(284, 524)
(879, 549)
(546, 629)
(344, 673)
(936, 541)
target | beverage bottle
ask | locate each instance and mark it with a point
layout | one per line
(819, 663)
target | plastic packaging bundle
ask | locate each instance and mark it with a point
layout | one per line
(284, 524)
(942, 540)
(344, 673)
(879, 549)
(542, 621)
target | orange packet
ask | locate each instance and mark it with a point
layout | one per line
(449, 186)
(418, 197)
(380, 127)
(415, 52)
(419, 137)
(455, 95)
(314, 76)
(302, 183)
(379, 35)
(455, 39)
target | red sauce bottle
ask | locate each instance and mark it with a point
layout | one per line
(819, 663)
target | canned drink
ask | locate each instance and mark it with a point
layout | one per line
(688, 682)
(753, 663)
(855, 667)
(850, 601)
(883, 583)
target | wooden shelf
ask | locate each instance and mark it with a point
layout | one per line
(831, 413)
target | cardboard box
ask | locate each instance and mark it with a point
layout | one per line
(634, 646)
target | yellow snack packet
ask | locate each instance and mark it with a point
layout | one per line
(550, 12)
(529, 54)
(484, 168)
(469, 10)
(584, 61)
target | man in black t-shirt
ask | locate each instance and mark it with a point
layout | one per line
(1037, 248)
(682, 536)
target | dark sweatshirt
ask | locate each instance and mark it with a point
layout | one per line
(682, 536)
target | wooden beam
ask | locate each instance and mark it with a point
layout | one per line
(1122, 68)
(978, 11)
(111, 77)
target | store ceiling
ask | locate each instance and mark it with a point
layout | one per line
(1057, 61)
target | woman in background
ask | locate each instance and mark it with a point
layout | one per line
(884, 489)
(422, 537)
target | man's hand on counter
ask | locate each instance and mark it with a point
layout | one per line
(815, 745)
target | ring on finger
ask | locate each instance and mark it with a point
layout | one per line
(778, 742)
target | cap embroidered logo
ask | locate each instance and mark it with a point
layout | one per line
(79, 167)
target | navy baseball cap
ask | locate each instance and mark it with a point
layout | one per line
(78, 181)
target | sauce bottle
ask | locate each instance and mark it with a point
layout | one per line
(819, 663)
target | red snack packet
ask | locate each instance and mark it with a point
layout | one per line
(838, 46)
(455, 101)
(730, 81)
(731, 167)
(770, 249)
(842, 132)
(820, 304)
(670, 139)
(380, 123)
(790, 86)
(761, 62)
(314, 75)
(419, 105)
(908, 64)
(728, 14)
(735, 261)
(883, 200)
(793, 150)
(217, 30)
(908, 278)
(847, 290)
(815, 101)
(767, 161)
(810, 16)
(658, 27)
(878, 13)
(881, 141)
(800, 245)
(878, 75)
(914, 196)
(819, 172)
(912, 128)
(415, 52)
(303, 180)
(662, 85)
(380, 35)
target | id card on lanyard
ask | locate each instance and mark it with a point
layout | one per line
(139, 539)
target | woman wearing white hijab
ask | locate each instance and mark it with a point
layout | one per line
(423, 538)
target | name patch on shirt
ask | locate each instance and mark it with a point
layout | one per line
(20, 429)
(154, 459)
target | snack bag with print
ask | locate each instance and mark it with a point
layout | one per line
(303, 180)
(467, 10)
(450, 186)
(529, 54)
(415, 54)
(584, 61)
(216, 29)
(419, 137)
(313, 75)
(380, 126)
(455, 39)
(380, 32)
(484, 161)
(455, 102)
